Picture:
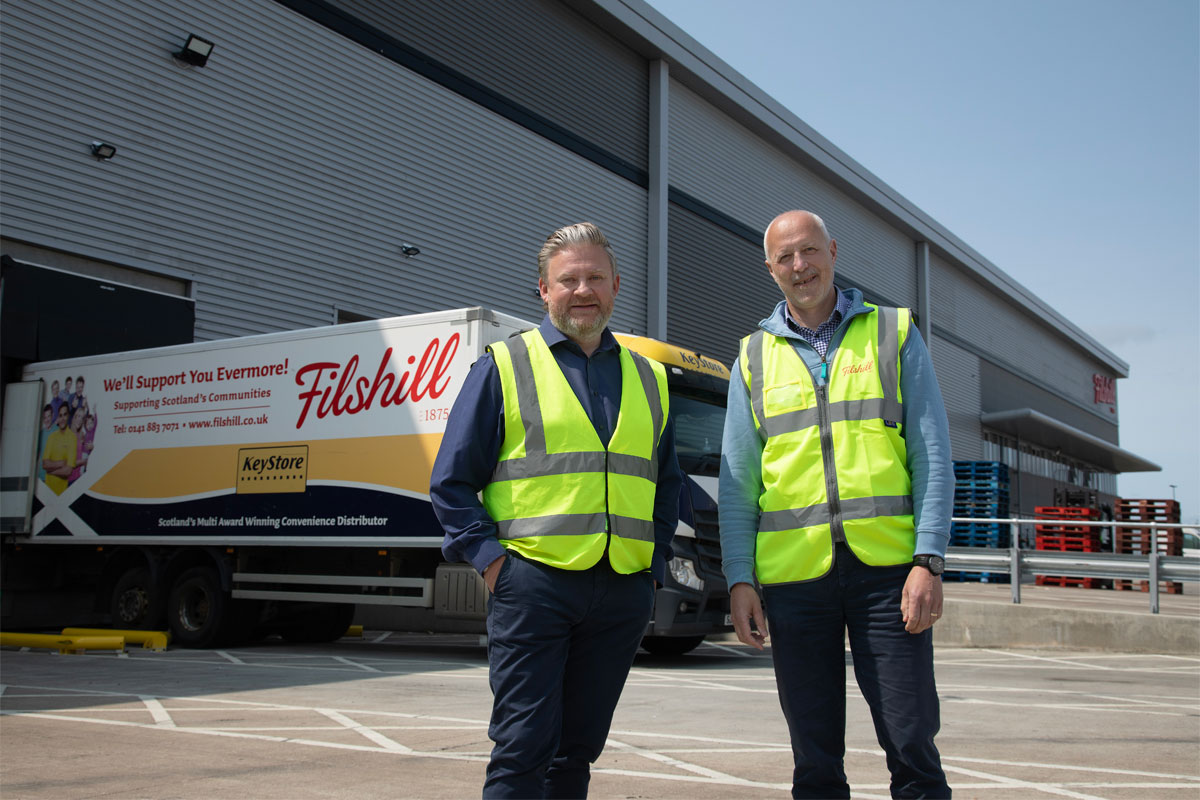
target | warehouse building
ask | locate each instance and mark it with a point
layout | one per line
(175, 171)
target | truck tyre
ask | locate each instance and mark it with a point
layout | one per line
(324, 623)
(671, 645)
(202, 615)
(133, 604)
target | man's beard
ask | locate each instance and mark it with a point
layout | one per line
(576, 329)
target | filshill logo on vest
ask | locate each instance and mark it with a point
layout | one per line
(337, 391)
(854, 369)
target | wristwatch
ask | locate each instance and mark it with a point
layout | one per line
(935, 564)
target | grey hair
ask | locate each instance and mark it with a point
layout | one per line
(578, 235)
(820, 224)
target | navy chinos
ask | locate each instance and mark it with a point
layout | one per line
(560, 645)
(808, 622)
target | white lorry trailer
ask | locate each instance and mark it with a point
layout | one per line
(279, 482)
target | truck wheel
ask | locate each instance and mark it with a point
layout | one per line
(133, 603)
(671, 645)
(198, 611)
(324, 623)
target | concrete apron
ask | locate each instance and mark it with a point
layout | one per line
(982, 615)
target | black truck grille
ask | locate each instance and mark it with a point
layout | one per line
(708, 543)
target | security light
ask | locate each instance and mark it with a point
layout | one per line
(103, 151)
(195, 51)
(409, 250)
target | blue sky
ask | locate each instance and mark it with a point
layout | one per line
(1059, 138)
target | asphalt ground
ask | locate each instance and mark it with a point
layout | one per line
(399, 715)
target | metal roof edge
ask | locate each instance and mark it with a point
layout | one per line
(1013, 420)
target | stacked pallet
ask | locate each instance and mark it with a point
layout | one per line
(1167, 541)
(980, 490)
(1068, 532)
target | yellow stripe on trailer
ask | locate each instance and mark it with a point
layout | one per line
(673, 356)
(149, 640)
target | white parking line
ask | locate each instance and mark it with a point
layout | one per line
(160, 715)
(366, 667)
(1003, 781)
(375, 736)
(735, 651)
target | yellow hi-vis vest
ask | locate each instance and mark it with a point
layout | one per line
(834, 461)
(557, 495)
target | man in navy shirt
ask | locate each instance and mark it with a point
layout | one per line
(564, 495)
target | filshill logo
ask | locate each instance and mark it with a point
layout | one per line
(866, 366)
(337, 391)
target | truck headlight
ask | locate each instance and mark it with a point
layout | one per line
(684, 573)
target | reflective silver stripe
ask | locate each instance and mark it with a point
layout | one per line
(650, 389)
(552, 525)
(789, 518)
(536, 465)
(871, 507)
(754, 362)
(842, 411)
(889, 355)
(633, 466)
(641, 530)
(849, 410)
(527, 398)
(792, 421)
(856, 508)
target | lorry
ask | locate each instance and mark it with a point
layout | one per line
(278, 484)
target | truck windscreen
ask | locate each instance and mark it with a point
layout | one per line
(698, 426)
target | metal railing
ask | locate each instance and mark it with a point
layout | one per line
(1152, 567)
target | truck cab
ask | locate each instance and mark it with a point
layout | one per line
(694, 600)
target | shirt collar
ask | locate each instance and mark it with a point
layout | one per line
(840, 310)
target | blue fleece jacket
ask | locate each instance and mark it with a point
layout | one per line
(926, 434)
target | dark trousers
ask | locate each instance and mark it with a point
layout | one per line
(560, 645)
(808, 623)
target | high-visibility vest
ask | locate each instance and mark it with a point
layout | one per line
(557, 494)
(834, 460)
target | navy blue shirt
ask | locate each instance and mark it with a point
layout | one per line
(475, 430)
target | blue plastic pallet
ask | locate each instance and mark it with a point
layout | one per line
(979, 492)
(999, 466)
(983, 510)
(978, 527)
(983, 482)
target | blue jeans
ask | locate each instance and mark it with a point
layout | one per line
(560, 645)
(808, 622)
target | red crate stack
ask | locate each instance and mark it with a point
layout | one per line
(1067, 532)
(1167, 541)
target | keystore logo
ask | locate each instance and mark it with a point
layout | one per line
(272, 470)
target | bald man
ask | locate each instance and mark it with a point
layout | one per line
(836, 492)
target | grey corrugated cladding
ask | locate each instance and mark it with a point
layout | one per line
(1017, 339)
(723, 164)
(282, 177)
(958, 377)
(537, 54)
(719, 283)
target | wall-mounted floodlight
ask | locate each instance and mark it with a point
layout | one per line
(195, 51)
(409, 250)
(103, 151)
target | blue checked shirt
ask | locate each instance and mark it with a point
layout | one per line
(821, 337)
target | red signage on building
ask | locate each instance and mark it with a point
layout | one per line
(1106, 389)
